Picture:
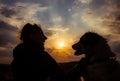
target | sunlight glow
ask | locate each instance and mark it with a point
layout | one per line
(61, 44)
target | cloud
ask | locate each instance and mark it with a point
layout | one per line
(2, 5)
(8, 38)
(2, 49)
(98, 4)
(57, 20)
(7, 12)
(5, 59)
(49, 33)
(6, 26)
(85, 1)
(60, 20)
(58, 29)
(7, 34)
(21, 13)
(101, 16)
(115, 46)
(112, 19)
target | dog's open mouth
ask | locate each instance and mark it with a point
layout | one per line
(78, 52)
(78, 47)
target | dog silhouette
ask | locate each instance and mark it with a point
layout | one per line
(99, 63)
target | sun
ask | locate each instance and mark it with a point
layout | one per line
(61, 44)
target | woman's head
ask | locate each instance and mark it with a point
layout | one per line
(32, 33)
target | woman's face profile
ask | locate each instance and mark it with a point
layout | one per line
(38, 37)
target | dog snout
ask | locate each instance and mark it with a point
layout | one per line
(76, 46)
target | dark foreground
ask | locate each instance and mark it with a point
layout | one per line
(6, 74)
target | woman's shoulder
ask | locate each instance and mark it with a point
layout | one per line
(19, 46)
(48, 56)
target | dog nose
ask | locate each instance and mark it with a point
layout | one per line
(76, 46)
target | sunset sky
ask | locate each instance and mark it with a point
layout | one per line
(63, 22)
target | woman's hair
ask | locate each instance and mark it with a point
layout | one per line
(27, 30)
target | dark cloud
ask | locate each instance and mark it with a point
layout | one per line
(114, 25)
(96, 4)
(9, 2)
(115, 28)
(7, 12)
(114, 43)
(109, 11)
(66, 9)
(49, 33)
(7, 39)
(118, 18)
(43, 2)
(8, 34)
(116, 2)
(7, 52)
(116, 47)
(5, 26)
(112, 21)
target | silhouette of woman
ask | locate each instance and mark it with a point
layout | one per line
(30, 61)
